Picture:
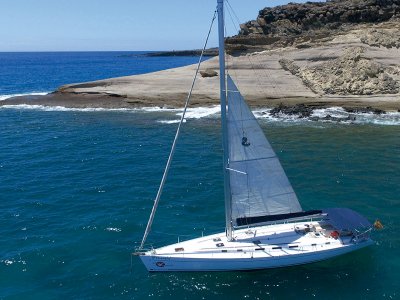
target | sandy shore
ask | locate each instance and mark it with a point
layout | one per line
(259, 76)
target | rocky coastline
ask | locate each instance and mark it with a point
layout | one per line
(305, 111)
(297, 24)
(294, 57)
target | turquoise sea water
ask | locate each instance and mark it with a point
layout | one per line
(76, 190)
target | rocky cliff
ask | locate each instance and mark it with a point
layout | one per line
(352, 73)
(336, 48)
(295, 24)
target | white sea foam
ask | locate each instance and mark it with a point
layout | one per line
(193, 113)
(389, 118)
(170, 121)
(335, 111)
(4, 97)
(158, 109)
(113, 229)
(62, 108)
(266, 115)
(201, 112)
(318, 115)
(8, 262)
(337, 114)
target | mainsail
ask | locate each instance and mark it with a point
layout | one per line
(259, 185)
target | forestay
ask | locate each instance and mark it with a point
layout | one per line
(259, 185)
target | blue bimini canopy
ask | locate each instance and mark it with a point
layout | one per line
(345, 219)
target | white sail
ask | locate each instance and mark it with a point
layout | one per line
(259, 185)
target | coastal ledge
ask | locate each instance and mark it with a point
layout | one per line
(340, 71)
(374, 104)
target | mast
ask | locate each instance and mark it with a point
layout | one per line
(222, 81)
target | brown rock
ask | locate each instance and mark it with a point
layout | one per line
(208, 73)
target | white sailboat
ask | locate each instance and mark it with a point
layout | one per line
(265, 224)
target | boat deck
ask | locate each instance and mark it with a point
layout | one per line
(273, 240)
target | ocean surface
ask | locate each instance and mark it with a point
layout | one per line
(77, 187)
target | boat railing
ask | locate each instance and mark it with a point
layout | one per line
(360, 236)
(186, 237)
(142, 250)
(151, 247)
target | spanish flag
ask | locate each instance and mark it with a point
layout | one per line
(378, 225)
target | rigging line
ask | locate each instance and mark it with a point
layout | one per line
(257, 76)
(236, 25)
(262, 68)
(230, 12)
(233, 11)
(171, 154)
(229, 60)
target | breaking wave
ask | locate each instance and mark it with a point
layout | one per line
(332, 115)
(4, 97)
(62, 108)
(325, 115)
(389, 118)
(193, 113)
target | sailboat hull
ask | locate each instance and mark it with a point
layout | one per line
(174, 264)
(279, 246)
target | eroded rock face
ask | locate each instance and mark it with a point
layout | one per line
(385, 38)
(294, 18)
(351, 74)
(298, 22)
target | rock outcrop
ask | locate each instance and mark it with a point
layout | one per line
(353, 73)
(300, 110)
(382, 37)
(208, 73)
(294, 23)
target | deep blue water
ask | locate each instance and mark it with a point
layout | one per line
(76, 190)
(27, 72)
